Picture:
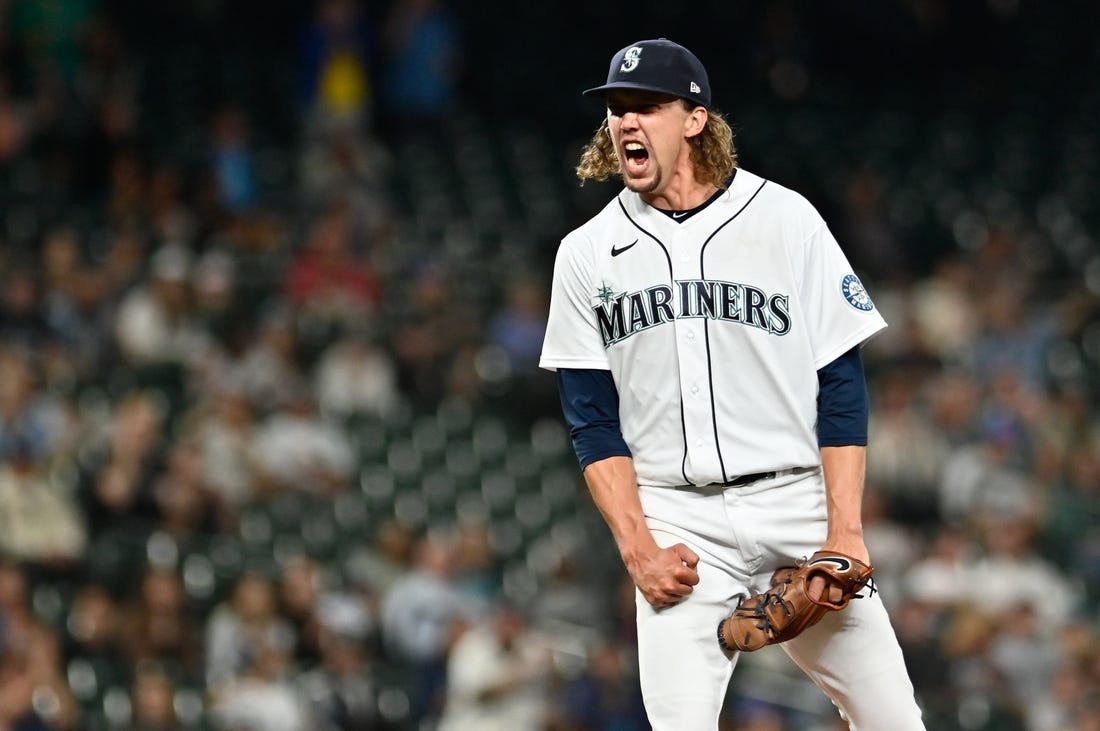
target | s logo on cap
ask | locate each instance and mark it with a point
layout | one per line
(631, 59)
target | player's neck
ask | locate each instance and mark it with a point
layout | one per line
(682, 193)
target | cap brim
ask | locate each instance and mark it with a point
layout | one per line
(602, 91)
(606, 88)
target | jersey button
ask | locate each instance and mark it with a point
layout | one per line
(691, 336)
(694, 390)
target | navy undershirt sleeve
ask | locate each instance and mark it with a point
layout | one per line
(842, 402)
(590, 403)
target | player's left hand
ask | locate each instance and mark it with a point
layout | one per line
(853, 547)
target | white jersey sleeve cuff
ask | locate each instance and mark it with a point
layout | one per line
(553, 364)
(858, 337)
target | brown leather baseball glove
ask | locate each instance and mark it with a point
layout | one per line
(786, 609)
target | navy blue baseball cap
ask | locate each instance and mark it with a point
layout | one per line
(657, 65)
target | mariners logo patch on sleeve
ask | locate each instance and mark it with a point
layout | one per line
(857, 296)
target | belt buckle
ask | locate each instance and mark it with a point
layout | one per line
(749, 478)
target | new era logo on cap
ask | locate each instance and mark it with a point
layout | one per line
(657, 65)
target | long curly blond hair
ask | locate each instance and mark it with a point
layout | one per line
(712, 152)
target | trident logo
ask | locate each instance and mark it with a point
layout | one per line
(631, 59)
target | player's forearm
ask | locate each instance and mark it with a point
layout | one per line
(614, 487)
(845, 469)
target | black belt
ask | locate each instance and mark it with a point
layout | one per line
(749, 479)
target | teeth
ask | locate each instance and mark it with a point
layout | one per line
(633, 146)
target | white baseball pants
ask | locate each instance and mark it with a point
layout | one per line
(742, 534)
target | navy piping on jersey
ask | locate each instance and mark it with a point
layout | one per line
(671, 283)
(706, 333)
(681, 216)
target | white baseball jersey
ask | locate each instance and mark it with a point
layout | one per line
(713, 328)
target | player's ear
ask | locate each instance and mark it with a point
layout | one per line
(695, 121)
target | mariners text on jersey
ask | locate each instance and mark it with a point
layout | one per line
(620, 315)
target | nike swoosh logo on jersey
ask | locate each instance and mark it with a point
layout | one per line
(679, 214)
(615, 251)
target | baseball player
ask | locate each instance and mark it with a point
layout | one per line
(705, 327)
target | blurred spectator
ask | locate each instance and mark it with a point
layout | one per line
(231, 159)
(170, 217)
(477, 566)
(355, 375)
(246, 631)
(919, 626)
(72, 302)
(187, 512)
(296, 449)
(160, 626)
(906, 456)
(22, 320)
(222, 427)
(572, 604)
(519, 326)
(121, 462)
(1071, 530)
(336, 66)
(605, 696)
(1014, 574)
(869, 238)
(315, 608)
(943, 311)
(432, 333)
(262, 698)
(348, 167)
(981, 476)
(517, 330)
(422, 63)
(1025, 652)
(41, 521)
(33, 421)
(498, 676)
(264, 368)
(893, 545)
(15, 121)
(155, 324)
(1012, 337)
(978, 685)
(33, 693)
(342, 688)
(53, 34)
(378, 566)
(153, 699)
(95, 628)
(942, 577)
(330, 280)
(422, 615)
(127, 202)
(123, 265)
(118, 499)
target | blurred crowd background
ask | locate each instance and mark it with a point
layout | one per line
(274, 450)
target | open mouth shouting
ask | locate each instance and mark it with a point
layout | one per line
(635, 158)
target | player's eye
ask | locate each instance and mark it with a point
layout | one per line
(619, 110)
